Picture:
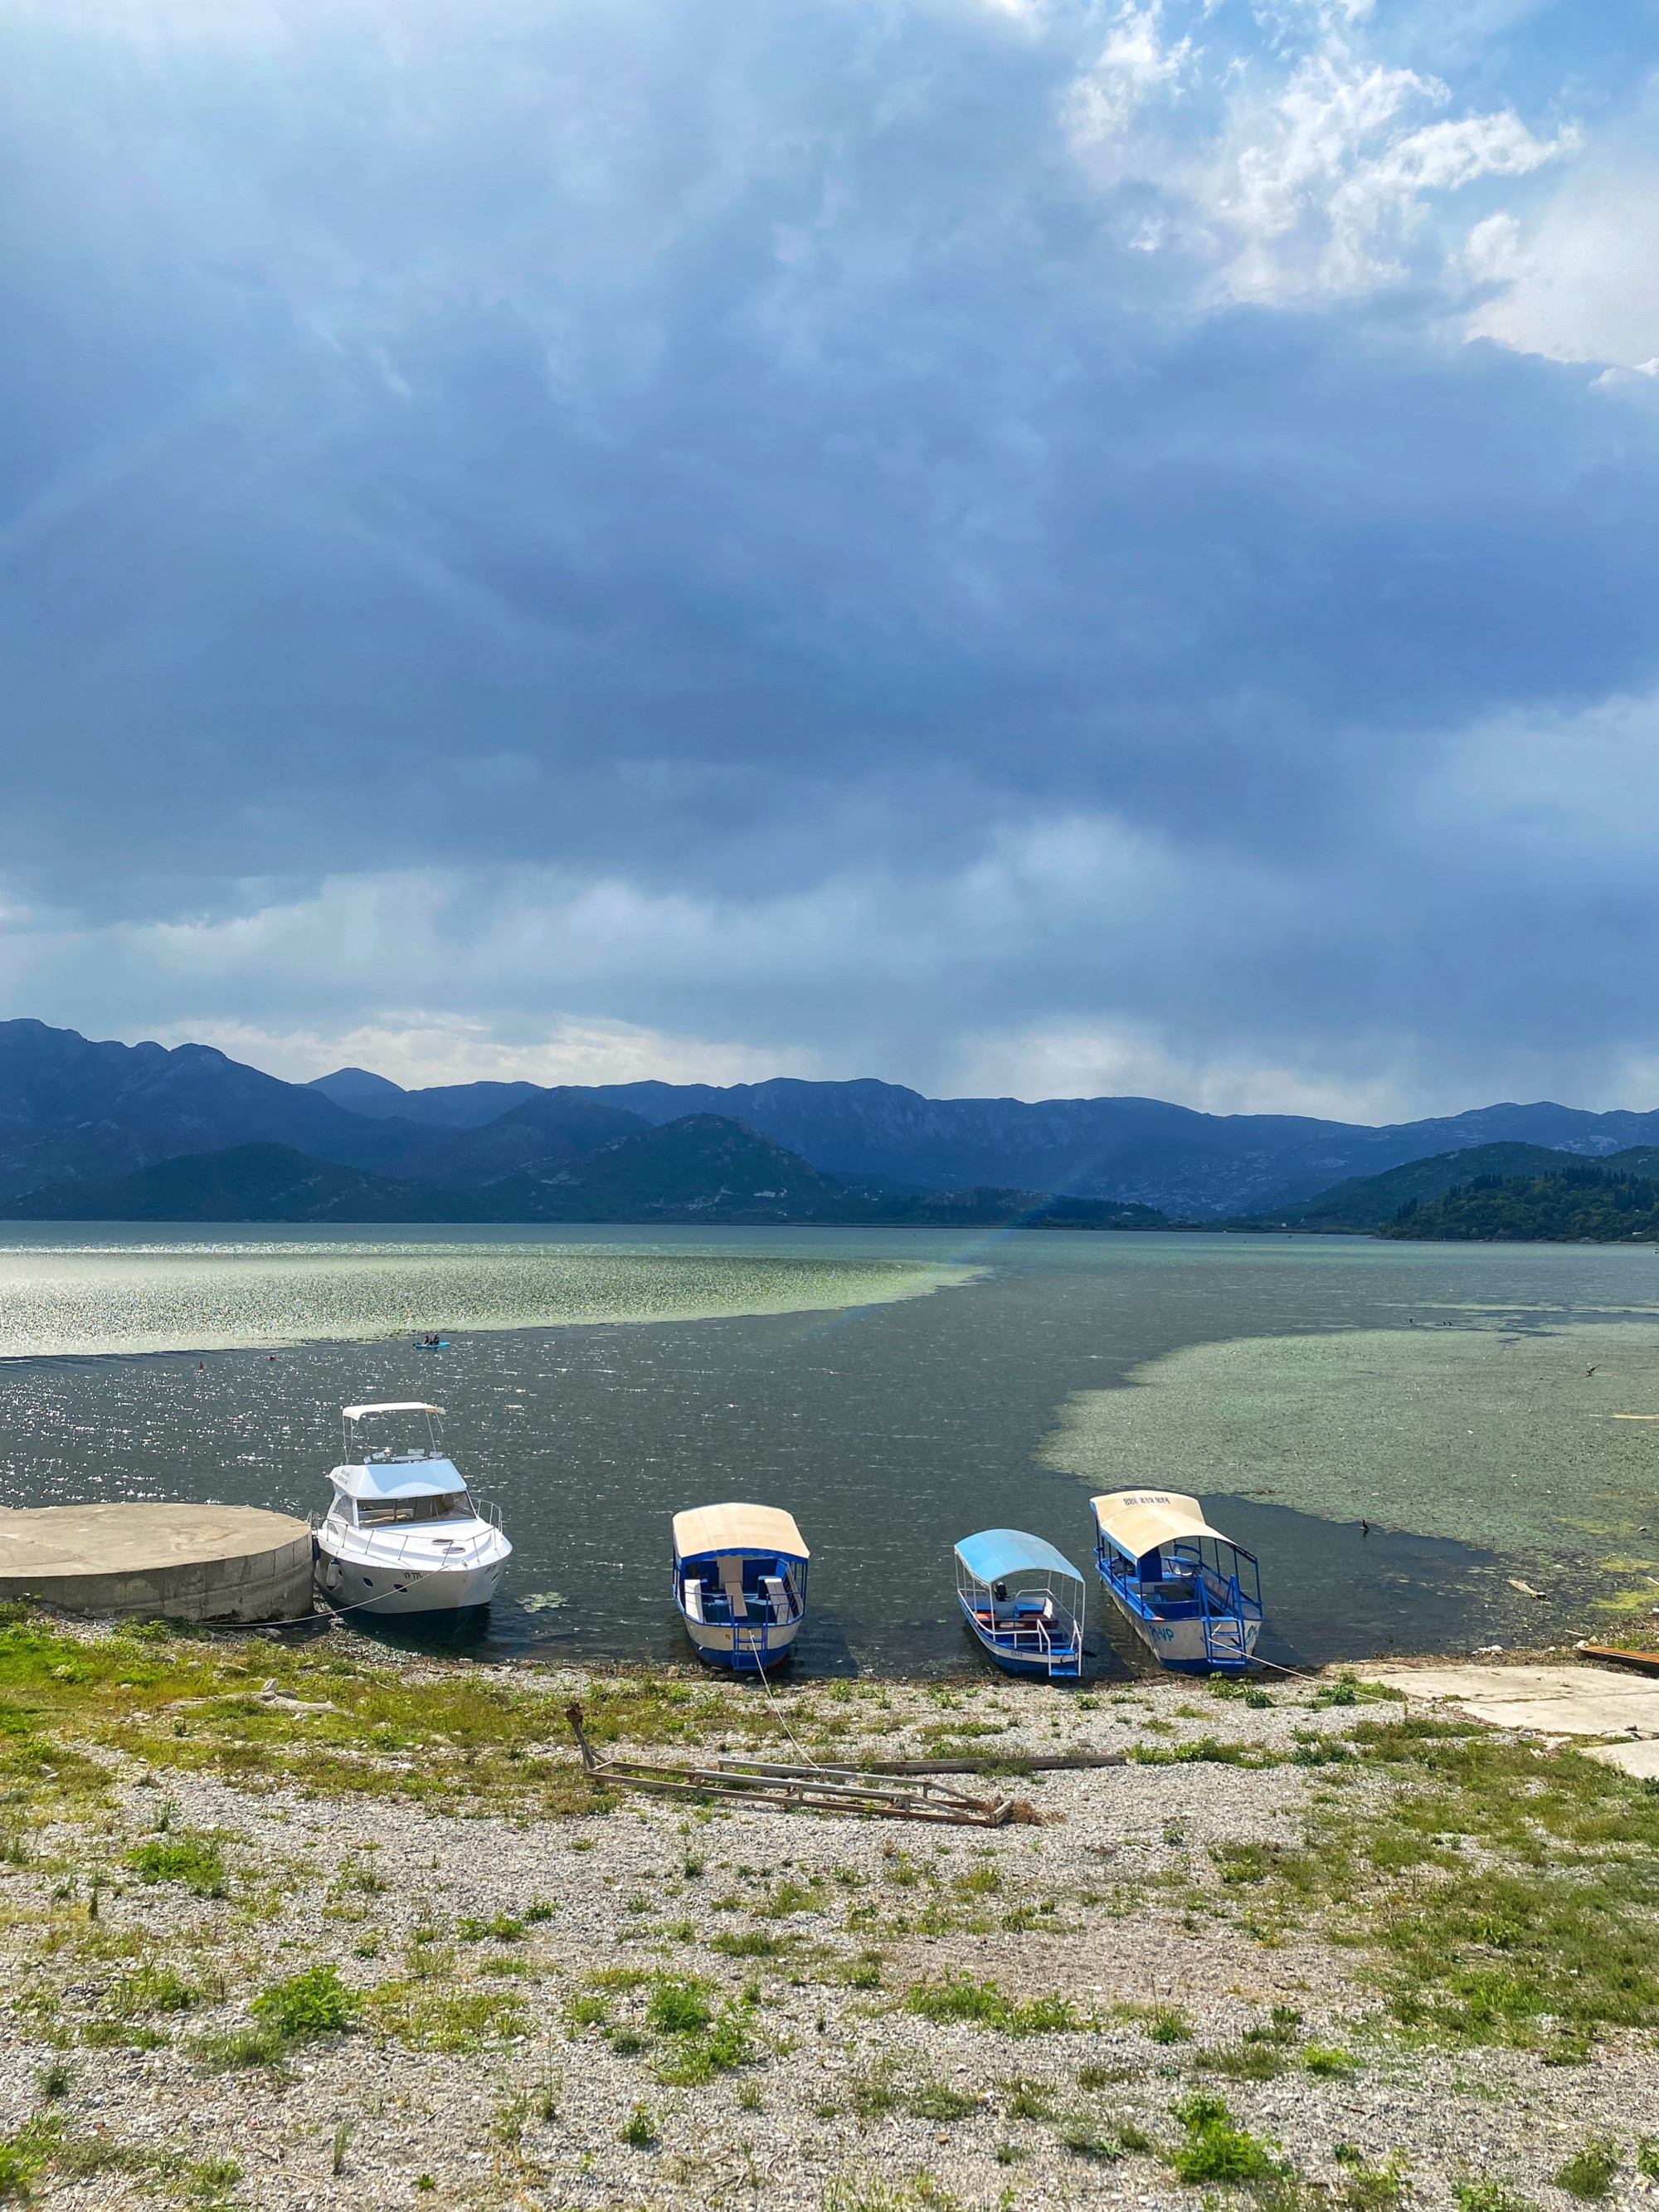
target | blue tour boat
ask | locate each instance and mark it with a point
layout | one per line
(739, 1582)
(1006, 1585)
(1192, 1595)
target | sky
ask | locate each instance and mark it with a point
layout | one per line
(1015, 546)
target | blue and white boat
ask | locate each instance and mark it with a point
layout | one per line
(1192, 1595)
(1024, 1600)
(740, 1583)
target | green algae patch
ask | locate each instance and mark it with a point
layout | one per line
(83, 1300)
(1490, 1436)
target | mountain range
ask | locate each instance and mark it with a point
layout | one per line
(77, 1115)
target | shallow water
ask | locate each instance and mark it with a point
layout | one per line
(1299, 1386)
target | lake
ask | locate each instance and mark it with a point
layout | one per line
(1491, 1412)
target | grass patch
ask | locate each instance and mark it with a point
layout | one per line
(1490, 2196)
(752, 1943)
(1215, 2148)
(26, 2153)
(959, 1999)
(679, 2008)
(1499, 1882)
(1204, 1750)
(503, 1928)
(1243, 2062)
(937, 2100)
(231, 2051)
(1085, 2140)
(1589, 2173)
(151, 1989)
(180, 1702)
(720, 2048)
(306, 2005)
(444, 2018)
(1157, 2023)
(197, 1861)
(639, 2129)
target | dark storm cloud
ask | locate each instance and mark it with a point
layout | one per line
(1003, 502)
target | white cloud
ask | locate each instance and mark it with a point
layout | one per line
(419, 1049)
(1139, 1060)
(1581, 281)
(1322, 187)
(1135, 61)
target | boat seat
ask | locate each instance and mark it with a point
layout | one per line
(693, 1591)
(777, 1600)
(731, 1583)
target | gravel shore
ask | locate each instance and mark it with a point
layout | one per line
(517, 2035)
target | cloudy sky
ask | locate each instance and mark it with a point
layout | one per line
(1012, 545)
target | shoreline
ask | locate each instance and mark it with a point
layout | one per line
(523, 1991)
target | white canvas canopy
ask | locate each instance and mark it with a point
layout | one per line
(391, 1406)
(1141, 1521)
(705, 1529)
(400, 1478)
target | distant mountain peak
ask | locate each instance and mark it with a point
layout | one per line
(358, 1088)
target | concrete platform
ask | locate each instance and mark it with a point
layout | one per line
(180, 1562)
(1581, 1700)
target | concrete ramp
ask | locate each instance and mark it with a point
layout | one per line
(1581, 1700)
(178, 1562)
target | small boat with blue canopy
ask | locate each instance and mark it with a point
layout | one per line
(1192, 1595)
(1024, 1600)
(739, 1583)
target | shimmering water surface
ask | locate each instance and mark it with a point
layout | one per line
(894, 1389)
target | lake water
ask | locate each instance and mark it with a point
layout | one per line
(1487, 1409)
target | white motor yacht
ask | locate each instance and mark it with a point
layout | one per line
(403, 1536)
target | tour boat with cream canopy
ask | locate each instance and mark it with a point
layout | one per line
(739, 1582)
(404, 1534)
(1010, 1586)
(1192, 1595)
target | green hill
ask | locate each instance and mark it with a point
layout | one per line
(1364, 1202)
(246, 1182)
(702, 1167)
(1612, 1201)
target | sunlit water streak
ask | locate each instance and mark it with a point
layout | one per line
(1044, 1365)
(84, 1297)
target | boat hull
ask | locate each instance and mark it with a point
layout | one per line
(370, 1586)
(1181, 1645)
(1064, 1666)
(745, 1650)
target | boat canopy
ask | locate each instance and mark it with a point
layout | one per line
(1139, 1521)
(399, 1478)
(996, 1553)
(393, 1406)
(767, 1528)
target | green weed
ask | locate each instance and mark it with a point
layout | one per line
(720, 2048)
(502, 1928)
(1490, 2196)
(1591, 2171)
(1216, 2149)
(241, 2046)
(639, 2130)
(308, 2004)
(197, 1861)
(937, 2101)
(960, 1998)
(679, 2008)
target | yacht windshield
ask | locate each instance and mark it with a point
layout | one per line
(382, 1512)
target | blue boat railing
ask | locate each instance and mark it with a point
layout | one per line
(1031, 1639)
(1226, 1610)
